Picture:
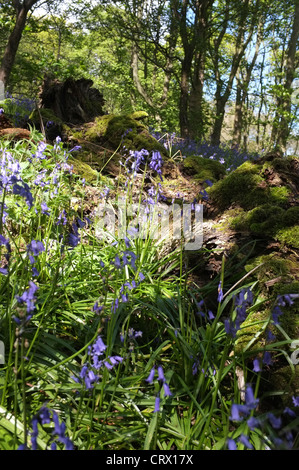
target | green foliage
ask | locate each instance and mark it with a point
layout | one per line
(160, 320)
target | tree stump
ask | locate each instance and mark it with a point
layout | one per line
(73, 101)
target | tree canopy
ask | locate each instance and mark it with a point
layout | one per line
(224, 71)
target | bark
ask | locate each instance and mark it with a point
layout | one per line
(242, 92)
(22, 9)
(290, 65)
(196, 104)
(222, 97)
(72, 101)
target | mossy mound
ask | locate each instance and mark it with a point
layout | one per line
(266, 195)
(202, 169)
(277, 275)
(120, 133)
(270, 220)
(248, 187)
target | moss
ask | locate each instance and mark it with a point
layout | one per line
(263, 219)
(247, 187)
(273, 266)
(280, 164)
(251, 336)
(203, 169)
(289, 236)
(286, 381)
(291, 216)
(83, 170)
(138, 115)
(241, 187)
(279, 194)
(125, 131)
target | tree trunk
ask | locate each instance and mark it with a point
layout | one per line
(242, 91)
(11, 48)
(285, 120)
(221, 98)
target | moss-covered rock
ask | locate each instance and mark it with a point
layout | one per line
(277, 275)
(248, 188)
(122, 133)
(202, 169)
(288, 236)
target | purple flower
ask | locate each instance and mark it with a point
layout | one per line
(167, 390)
(28, 297)
(256, 365)
(35, 247)
(161, 374)
(250, 400)
(238, 412)
(62, 218)
(97, 308)
(220, 292)
(253, 423)
(274, 420)
(151, 376)
(267, 359)
(157, 404)
(289, 412)
(231, 445)
(98, 347)
(295, 400)
(24, 191)
(44, 208)
(245, 441)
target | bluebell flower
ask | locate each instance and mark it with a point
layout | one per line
(267, 359)
(295, 400)
(35, 247)
(274, 420)
(253, 423)
(256, 365)
(245, 441)
(289, 412)
(44, 208)
(157, 403)
(220, 292)
(239, 412)
(25, 192)
(231, 444)
(151, 375)
(62, 218)
(97, 308)
(45, 416)
(28, 297)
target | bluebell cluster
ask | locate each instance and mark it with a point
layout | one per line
(230, 157)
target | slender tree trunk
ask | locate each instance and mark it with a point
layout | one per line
(196, 102)
(184, 98)
(285, 119)
(242, 91)
(22, 9)
(221, 98)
